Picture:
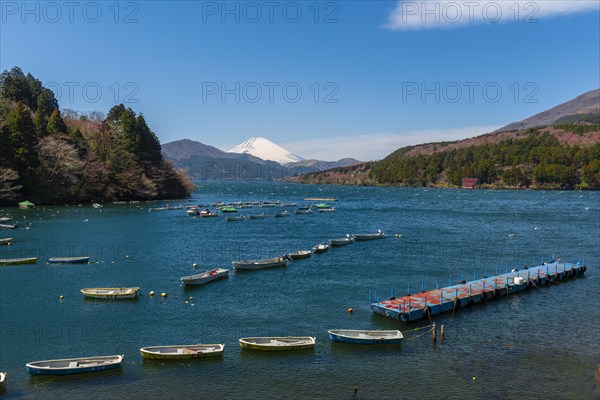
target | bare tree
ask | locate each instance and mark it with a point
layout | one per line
(9, 190)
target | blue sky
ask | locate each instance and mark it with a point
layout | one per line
(325, 80)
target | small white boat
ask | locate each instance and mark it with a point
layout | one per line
(235, 218)
(111, 293)
(182, 352)
(278, 343)
(5, 241)
(366, 336)
(204, 277)
(69, 260)
(260, 264)
(341, 241)
(8, 226)
(323, 210)
(5, 219)
(282, 214)
(97, 205)
(320, 248)
(207, 214)
(2, 378)
(303, 210)
(69, 366)
(297, 255)
(369, 236)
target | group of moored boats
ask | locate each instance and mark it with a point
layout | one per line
(81, 365)
(230, 208)
(300, 254)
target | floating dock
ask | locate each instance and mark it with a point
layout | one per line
(425, 304)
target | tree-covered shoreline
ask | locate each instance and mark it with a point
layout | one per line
(532, 159)
(51, 158)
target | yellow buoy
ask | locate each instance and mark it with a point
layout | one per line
(152, 293)
(474, 378)
(163, 295)
(61, 297)
(350, 310)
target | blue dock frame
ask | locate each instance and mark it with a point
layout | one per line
(426, 304)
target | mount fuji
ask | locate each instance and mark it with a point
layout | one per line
(266, 150)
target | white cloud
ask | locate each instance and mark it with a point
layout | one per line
(376, 146)
(428, 14)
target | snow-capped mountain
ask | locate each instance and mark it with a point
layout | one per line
(267, 150)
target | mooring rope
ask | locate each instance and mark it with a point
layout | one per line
(430, 327)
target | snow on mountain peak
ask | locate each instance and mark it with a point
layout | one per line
(265, 149)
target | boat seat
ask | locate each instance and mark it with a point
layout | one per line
(73, 364)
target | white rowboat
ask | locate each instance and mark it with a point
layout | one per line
(204, 277)
(182, 352)
(366, 336)
(71, 366)
(278, 343)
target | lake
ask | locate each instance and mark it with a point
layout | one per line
(540, 344)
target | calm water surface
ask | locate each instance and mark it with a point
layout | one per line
(542, 344)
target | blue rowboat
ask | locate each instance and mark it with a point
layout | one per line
(70, 366)
(366, 336)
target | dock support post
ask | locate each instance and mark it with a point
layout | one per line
(450, 279)
(443, 332)
(506, 266)
(392, 292)
(463, 276)
(496, 269)
(436, 283)
(433, 333)
(474, 275)
(408, 289)
(542, 260)
(422, 285)
(370, 296)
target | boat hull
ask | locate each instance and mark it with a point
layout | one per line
(69, 260)
(74, 366)
(180, 352)
(298, 255)
(205, 277)
(319, 249)
(366, 337)
(258, 264)
(18, 261)
(278, 343)
(110, 293)
(369, 236)
(341, 242)
(5, 241)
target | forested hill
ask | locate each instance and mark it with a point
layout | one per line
(559, 157)
(51, 158)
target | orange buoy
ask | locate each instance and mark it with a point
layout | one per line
(350, 310)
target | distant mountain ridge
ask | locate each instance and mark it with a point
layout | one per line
(587, 103)
(205, 162)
